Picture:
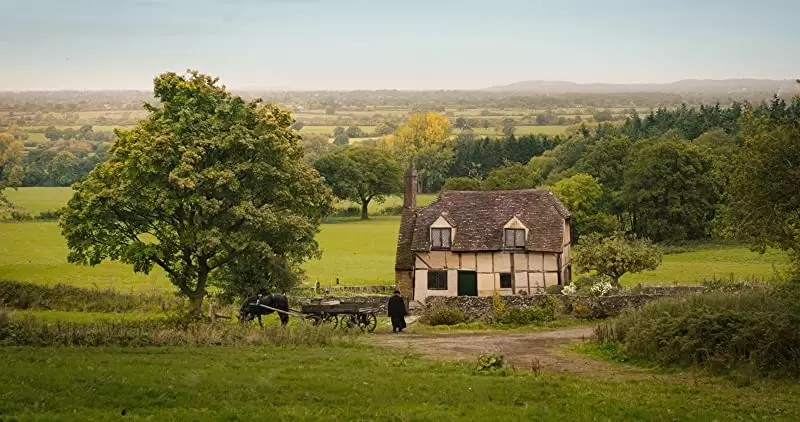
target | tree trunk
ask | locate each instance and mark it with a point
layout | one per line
(196, 298)
(364, 211)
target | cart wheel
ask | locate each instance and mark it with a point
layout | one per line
(348, 322)
(315, 319)
(368, 322)
(331, 319)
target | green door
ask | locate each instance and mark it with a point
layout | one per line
(467, 283)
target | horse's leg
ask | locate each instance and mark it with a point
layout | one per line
(259, 322)
(284, 318)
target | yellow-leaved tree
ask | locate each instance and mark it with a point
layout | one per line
(423, 144)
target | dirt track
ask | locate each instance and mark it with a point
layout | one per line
(538, 351)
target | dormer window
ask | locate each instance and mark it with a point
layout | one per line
(514, 238)
(440, 238)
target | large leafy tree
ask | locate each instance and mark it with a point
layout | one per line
(512, 176)
(423, 144)
(362, 175)
(207, 183)
(764, 188)
(11, 172)
(581, 194)
(616, 255)
(670, 190)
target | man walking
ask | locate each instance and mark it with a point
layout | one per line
(397, 312)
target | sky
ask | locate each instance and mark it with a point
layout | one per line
(392, 44)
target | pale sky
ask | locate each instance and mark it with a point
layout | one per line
(411, 44)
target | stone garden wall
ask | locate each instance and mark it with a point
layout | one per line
(480, 308)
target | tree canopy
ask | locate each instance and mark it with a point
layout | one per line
(208, 183)
(764, 189)
(616, 255)
(10, 167)
(361, 174)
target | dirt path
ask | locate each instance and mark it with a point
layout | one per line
(537, 351)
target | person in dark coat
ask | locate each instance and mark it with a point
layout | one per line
(397, 312)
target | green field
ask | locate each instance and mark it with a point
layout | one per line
(345, 383)
(328, 130)
(357, 252)
(35, 200)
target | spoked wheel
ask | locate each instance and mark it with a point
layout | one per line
(348, 322)
(367, 322)
(331, 319)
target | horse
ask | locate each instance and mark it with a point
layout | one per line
(251, 308)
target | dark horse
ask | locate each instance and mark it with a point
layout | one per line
(251, 308)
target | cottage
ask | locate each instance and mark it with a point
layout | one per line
(472, 243)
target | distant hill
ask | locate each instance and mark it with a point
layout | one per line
(683, 86)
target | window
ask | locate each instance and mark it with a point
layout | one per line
(437, 280)
(505, 280)
(515, 238)
(440, 238)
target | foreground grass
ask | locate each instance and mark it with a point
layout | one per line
(340, 383)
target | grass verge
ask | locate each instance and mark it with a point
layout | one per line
(341, 383)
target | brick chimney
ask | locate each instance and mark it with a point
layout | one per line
(410, 189)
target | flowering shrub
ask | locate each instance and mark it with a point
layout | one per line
(569, 290)
(602, 288)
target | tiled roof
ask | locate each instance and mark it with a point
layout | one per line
(479, 217)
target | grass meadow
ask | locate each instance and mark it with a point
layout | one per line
(357, 252)
(344, 383)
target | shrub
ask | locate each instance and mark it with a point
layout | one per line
(21, 216)
(61, 297)
(580, 310)
(491, 363)
(569, 290)
(545, 310)
(498, 306)
(350, 211)
(724, 331)
(555, 289)
(585, 282)
(49, 215)
(391, 210)
(603, 288)
(443, 315)
(157, 332)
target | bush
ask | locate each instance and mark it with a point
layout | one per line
(157, 332)
(555, 289)
(491, 363)
(391, 210)
(724, 331)
(61, 297)
(498, 306)
(350, 211)
(21, 216)
(580, 310)
(49, 215)
(443, 315)
(545, 310)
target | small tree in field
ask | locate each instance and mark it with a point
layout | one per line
(616, 255)
(361, 174)
(207, 184)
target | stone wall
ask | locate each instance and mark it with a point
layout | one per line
(480, 308)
